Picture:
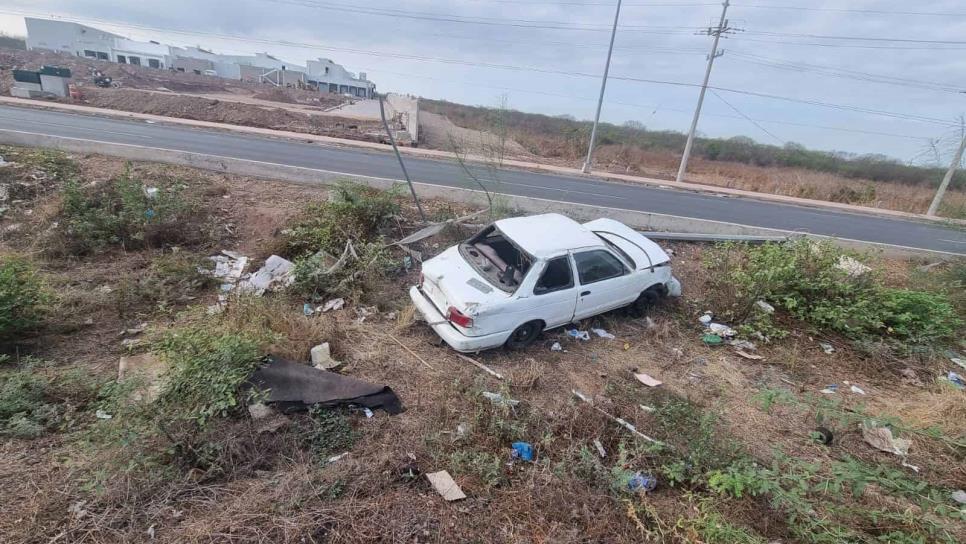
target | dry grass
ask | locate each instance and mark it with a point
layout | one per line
(266, 485)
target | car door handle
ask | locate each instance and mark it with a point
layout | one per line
(585, 293)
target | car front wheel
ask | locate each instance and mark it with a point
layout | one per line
(524, 335)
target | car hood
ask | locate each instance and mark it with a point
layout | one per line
(449, 280)
(644, 251)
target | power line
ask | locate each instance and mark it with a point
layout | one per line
(855, 10)
(844, 73)
(750, 120)
(855, 38)
(475, 20)
(850, 45)
(568, 73)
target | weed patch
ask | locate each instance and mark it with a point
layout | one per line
(126, 212)
(33, 400)
(22, 298)
(808, 281)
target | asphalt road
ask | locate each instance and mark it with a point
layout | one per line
(583, 190)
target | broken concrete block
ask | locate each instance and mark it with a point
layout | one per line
(444, 484)
(322, 357)
(148, 369)
(881, 438)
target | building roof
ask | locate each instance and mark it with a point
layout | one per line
(547, 235)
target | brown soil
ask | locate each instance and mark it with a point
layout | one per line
(223, 111)
(275, 491)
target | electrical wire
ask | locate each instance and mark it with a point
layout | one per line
(749, 119)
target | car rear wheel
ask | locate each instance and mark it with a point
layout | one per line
(524, 335)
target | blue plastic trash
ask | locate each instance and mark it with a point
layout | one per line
(523, 451)
(642, 482)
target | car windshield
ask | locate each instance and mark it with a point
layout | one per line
(617, 249)
(496, 258)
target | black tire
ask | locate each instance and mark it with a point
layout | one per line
(648, 298)
(524, 335)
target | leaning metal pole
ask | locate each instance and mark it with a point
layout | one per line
(603, 85)
(392, 140)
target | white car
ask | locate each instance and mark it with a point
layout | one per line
(523, 275)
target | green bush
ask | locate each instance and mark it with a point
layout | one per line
(207, 369)
(22, 298)
(121, 212)
(805, 279)
(355, 213)
(34, 400)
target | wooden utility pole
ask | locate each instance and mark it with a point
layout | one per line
(934, 207)
(716, 32)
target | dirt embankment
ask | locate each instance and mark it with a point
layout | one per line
(236, 113)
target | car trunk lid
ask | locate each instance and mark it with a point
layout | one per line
(448, 280)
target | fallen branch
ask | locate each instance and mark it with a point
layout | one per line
(411, 352)
(481, 366)
(616, 419)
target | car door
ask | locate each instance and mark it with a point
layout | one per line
(555, 293)
(605, 283)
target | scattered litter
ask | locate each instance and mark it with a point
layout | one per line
(150, 532)
(292, 386)
(603, 334)
(259, 410)
(422, 233)
(822, 435)
(747, 355)
(556, 347)
(578, 335)
(481, 366)
(830, 389)
(147, 369)
(956, 380)
(627, 346)
(104, 290)
(364, 312)
(744, 344)
(642, 482)
(151, 192)
(334, 304)
(915, 468)
(827, 348)
(307, 309)
(959, 496)
(322, 357)
(522, 451)
(712, 339)
(881, 438)
(650, 322)
(444, 485)
(765, 307)
(130, 343)
(337, 458)
(77, 509)
(101, 414)
(367, 412)
(133, 331)
(600, 449)
(959, 361)
(723, 331)
(615, 419)
(706, 319)
(277, 273)
(461, 430)
(497, 398)
(852, 267)
(647, 380)
(857, 390)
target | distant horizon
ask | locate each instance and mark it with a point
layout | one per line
(772, 98)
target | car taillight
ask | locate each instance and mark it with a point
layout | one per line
(458, 318)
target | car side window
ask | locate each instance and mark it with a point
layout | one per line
(556, 276)
(597, 265)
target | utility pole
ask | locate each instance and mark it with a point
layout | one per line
(603, 85)
(392, 140)
(716, 32)
(934, 207)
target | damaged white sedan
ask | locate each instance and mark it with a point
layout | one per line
(523, 275)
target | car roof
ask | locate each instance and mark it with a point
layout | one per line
(547, 235)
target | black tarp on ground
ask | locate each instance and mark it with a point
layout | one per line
(295, 386)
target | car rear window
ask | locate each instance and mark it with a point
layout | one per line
(496, 258)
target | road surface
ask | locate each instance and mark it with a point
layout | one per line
(578, 189)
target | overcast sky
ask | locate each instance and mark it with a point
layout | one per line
(557, 45)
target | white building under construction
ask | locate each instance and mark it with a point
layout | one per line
(84, 41)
